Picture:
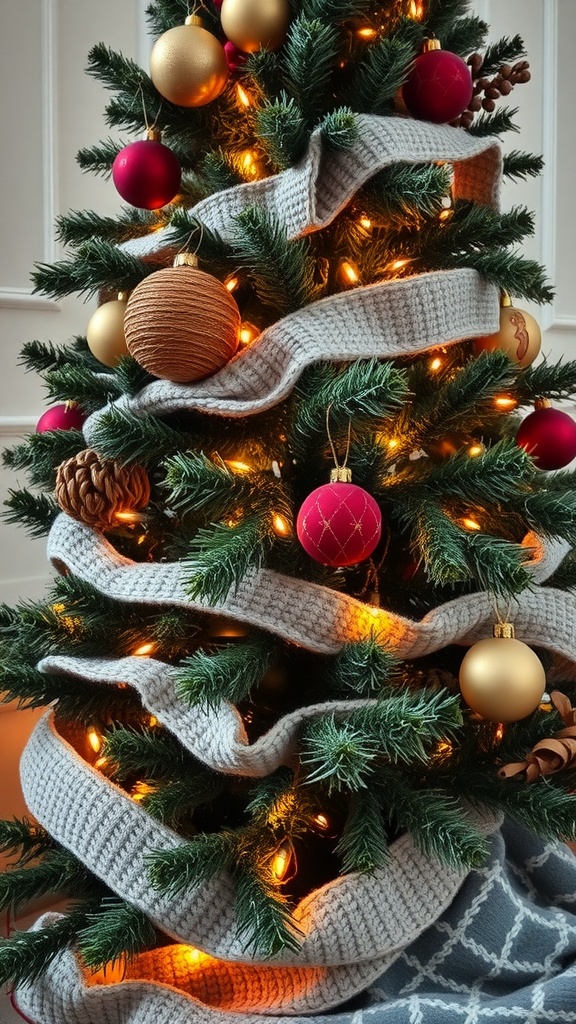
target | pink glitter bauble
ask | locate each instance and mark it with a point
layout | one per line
(339, 524)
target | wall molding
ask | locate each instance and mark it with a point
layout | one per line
(24, 298)
(13, 426)
(548, 214)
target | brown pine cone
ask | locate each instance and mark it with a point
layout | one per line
(95, 490)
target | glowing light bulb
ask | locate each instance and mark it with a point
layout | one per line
(101, 762)
(393, 443)
(321, 821)
(397, 265)
(238, 467)
(505, 402)
(476, 449)
(242, 95)
(367, 33)
(365, 222)
(128, 517)
(248, 162)
(143, 650)
(445, 215)
(416, 10)
(232, 283)
(281, 525)
(141, 790)
(95, 740)
(284, 862)
(348, 273)
(470, 524)
(436, 363)
(247, 333)
(499, 734)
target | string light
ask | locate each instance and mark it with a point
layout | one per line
(95, 740)
(393, 443)
(248, 162)
(470, 524)
(321, 822)
(281, 525)
(365, 222)
(476, 449)
(284, 862)
(247, 333)
(436, 363)
(128, 517)
(397, 265)
(505, 402)
(367, 33)
(348, 272)
(232, 282)
(242, 95)
(140, 790)
(416, 10)
(143, 651)
(238, 467)
(499, 734)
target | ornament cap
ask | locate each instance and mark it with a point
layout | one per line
(504, 631)
(186, 259)
(542, 403)
(123, 296)
(505, 299)
(153, 135)
(194, 19)
(340, 475)
(431, 44)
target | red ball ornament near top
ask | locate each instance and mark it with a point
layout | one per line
(549, 436)
(339, 523)
(146, 173)
(439, 86)
(235, 58)
(67, 416)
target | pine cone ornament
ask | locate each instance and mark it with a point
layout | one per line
(100, 492)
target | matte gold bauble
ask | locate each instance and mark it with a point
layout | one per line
(105, 331)
(181, 324)
(519, 336)
(254, 25)
(502, 679)
(188, 65)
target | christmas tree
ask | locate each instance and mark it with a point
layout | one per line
(296, 518)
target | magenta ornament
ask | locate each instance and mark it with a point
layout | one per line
(147, 174)
(439, 87)
(339, 524)
(549, 436)
(61, 417)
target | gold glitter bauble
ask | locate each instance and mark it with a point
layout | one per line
(254, 25)
(502, 679)
(181, 324)
(105, 332)
(519, 336)
(188, 65)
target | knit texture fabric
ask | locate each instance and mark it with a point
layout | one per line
(503, 951)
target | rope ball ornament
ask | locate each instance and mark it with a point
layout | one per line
(182, 324)
(98, 492)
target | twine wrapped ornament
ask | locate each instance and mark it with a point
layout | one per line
(100, 492)
(182, 324)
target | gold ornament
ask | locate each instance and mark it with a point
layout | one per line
(254, 25)
(188, 65)
(182, 324)
(502, 679)
(105, 331)
(518, 335)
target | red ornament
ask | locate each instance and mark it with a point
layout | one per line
(549, 436)
(235, 58)
(61, 417)
(339, 524)
(147, 174)
(439, 87)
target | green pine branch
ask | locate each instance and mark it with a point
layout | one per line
(35, 512)
(363, 845)
(58, 872)
(504, 51)
(378, 75)
(339, 129)
(96, 265)
(25, 956)
(114, 933)
(98, 159)
(465, 35)
(308, 58)
(41, 454)
(24, 839)
(554, 380)
(92, 391)
(281, 127)
(362, 668)
(498, 123)
(79, 226)
(226, 674)
(38, 356)
(519, 166)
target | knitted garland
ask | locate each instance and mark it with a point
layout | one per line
(393, 318)
(354, 919)
(310, 195)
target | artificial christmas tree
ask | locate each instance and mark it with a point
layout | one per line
(275, 773)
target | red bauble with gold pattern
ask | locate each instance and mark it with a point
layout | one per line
(439, 86)
(549, 436)
(339, 523)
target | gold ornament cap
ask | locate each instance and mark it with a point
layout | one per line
(505, 299)
(431, 44)
(542, 403)
(340, 475)
(186, 259)
(153, 135)
(194, 19)
(504, 631)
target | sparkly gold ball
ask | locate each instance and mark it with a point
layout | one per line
(519, 336)
(188, 65)
(502, 679)
(105, 332)
(254, 25)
